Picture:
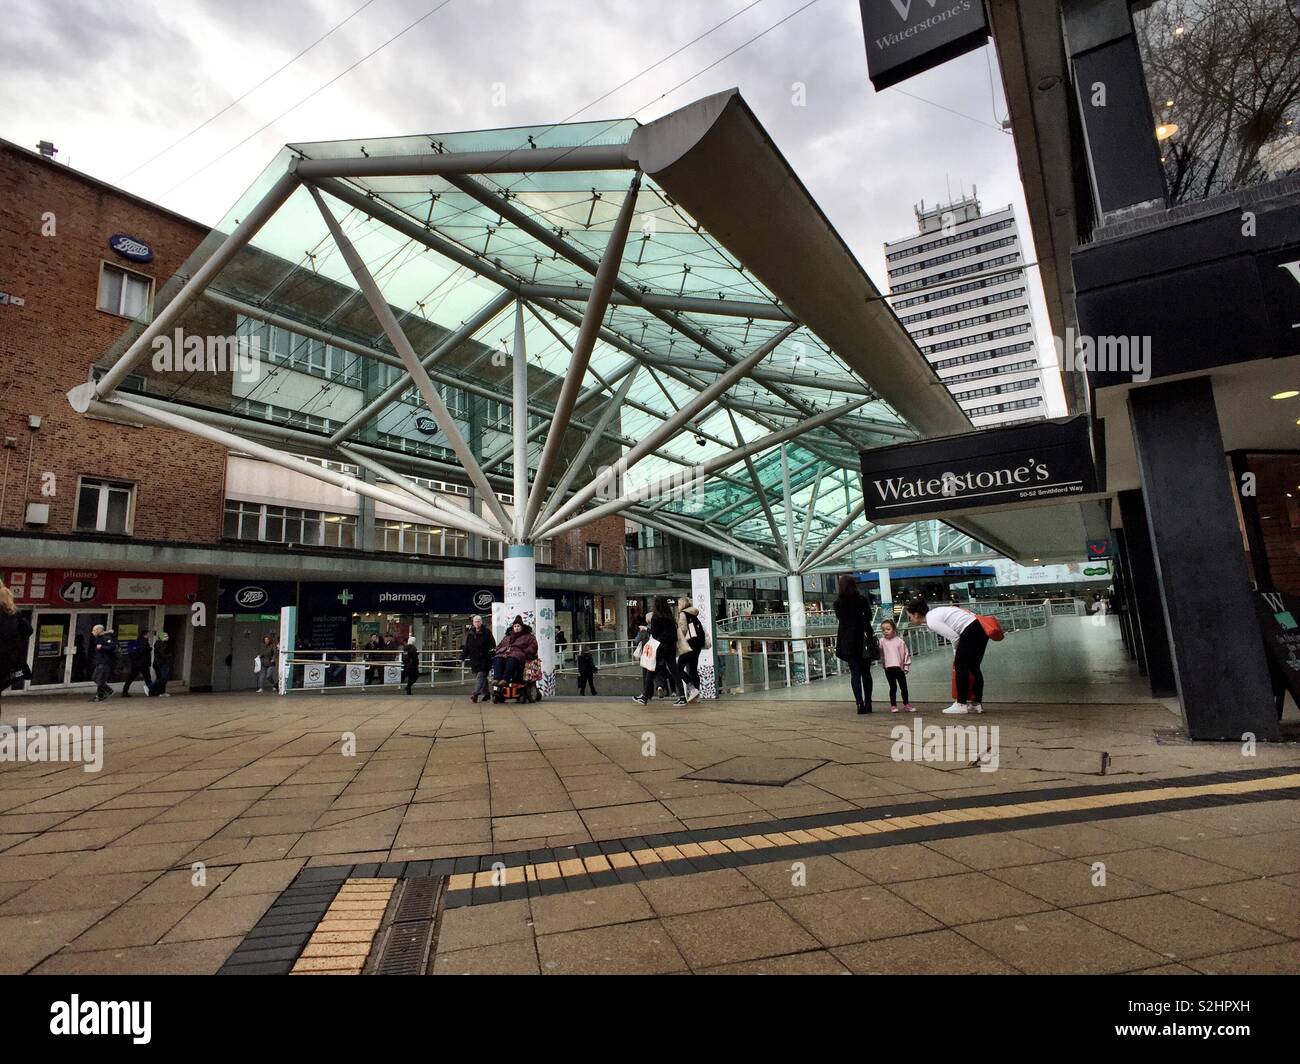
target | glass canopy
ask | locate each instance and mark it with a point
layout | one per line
(461, 258)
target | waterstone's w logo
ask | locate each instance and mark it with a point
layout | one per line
(904, 7)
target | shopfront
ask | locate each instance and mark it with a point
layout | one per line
(247, 610)
(64, 606)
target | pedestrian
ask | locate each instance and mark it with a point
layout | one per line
(560, 643)
(511, 654)
(663, 630)
(104, 661)
(15, 633)
(139, 660)
(374, 671)
(162, 666)
(410, 663)
(854, 641)
(897, 661)
(477, 653)
(966, 633)
(691, 639)
(586, 672)
(269, 656)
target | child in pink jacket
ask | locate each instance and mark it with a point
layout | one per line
(897, 660)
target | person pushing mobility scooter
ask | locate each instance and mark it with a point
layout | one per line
(510, 661)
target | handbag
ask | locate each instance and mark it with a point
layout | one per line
(992, 627)
(650, 654)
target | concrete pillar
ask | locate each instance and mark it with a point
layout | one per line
(1146, 609)
(1218, 655)
(886, 593)
(620, 617)
(366, 515)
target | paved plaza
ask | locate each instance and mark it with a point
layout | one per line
(243, 833)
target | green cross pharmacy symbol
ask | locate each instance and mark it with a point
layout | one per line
(345, 596)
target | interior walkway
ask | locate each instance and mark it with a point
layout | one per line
(1073, 660)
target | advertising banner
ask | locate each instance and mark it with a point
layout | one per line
(702, 599)
(288, 644)
(545, 632)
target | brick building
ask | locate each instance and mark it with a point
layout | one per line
(132, 526)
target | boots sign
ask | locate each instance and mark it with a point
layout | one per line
(906, 37)
(997, 469)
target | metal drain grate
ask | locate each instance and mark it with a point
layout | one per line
(419, 899)
(406, 949)
(407, 942)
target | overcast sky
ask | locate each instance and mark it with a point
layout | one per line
(114, 84)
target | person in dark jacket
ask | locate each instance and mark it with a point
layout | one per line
(162, 666)
(104, 658)
(15, 634)
(586, 672)
(854, 642)
(664, 629)
(410, 663)
(477, 653)
(140, 661)
(518, 647)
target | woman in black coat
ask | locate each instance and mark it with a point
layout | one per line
(477, 653)
(664, 629)
(15, 633)
(410, 663)
(854, 640)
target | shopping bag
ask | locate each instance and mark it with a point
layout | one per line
(257, 663)
(992, 627)
(650, 654)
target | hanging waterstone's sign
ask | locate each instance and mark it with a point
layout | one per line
(1044, 461)
(906, 37)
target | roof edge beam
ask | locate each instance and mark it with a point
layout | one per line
(730, 308)
(457, 163)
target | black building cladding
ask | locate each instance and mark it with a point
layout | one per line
(1209, 290)
(994, 469)
(906, 37)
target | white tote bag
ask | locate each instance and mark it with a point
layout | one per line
(257, 663)
(650, 654)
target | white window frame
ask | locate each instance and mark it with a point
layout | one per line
(104, 265)
(101, 513)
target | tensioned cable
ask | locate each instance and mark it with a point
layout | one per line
(275, 73)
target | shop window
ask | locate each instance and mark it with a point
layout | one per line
(123, 292)
(1224, 84)
(105, 506)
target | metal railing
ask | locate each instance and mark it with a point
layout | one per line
(761, 662)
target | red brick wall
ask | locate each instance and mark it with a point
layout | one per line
(48, 345)
(569, 549)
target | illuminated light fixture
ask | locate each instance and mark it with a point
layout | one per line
(1179, 31)
(1166, 130)
(1169, 103)
(1285, 395)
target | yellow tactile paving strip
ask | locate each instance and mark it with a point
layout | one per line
(341, 942)
(794, 837)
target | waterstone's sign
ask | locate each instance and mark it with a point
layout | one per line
(906, 37)
(993, 469)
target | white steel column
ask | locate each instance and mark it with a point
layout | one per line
(798, 626)
(519, 421)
